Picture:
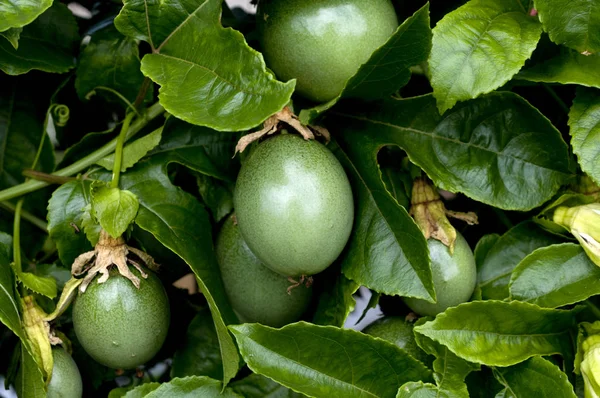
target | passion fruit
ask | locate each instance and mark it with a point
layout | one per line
(66, 379)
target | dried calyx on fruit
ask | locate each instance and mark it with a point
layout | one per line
(110, 252)
(431, 215)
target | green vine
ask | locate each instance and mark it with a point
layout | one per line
(119, 151)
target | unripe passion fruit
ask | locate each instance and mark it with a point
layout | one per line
(454, 277)
(294, 205)
(322, 43)
(66, 379)
(256, 293)
(119, 325)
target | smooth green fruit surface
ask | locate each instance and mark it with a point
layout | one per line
(322, 43)
(454, 277)
(294, 205)
(256, 293)
(396, 330)
(66, 379)
(120, 326)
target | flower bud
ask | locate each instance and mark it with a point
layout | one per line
(590, 366)
(584, 223)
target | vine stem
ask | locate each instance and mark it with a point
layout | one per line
(32, 185)
(17, 235)
(26, 216)
(119, 151)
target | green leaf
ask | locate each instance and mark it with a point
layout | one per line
(484, 245)
(535, 377)
(208, 75)
(386, 248)
(574, 23)
(483, 384)
(424, 390)
(142, 390)
(195, 386)
(555, 276)
(494, 271)
(114, 208)
(12, 35)
(44, 285)
(110, 60)
(47, 44)
(65, 220)
(201, 149)
(257, 386)
(29, 382)
(449, 370)
(479, 47)
(565, 67)
(199, 355)
(498, 333)
(217, 195)
(497, 149)
(181, 224)
(336, 302)
(10, 315)
(584, 121)
(133, 152)
(387, 70)
(326, 361)
(18, 13)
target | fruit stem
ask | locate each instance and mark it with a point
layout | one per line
(119, 151)
(30, 186)
(27, 216)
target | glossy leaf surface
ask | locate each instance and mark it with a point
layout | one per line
(336, 302)
(565, 67)
(18, 13)
(257, 386)
(114, 208)
(584, 121)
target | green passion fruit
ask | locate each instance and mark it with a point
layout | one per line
(66, 379)
(454, 277)
(118, 325)
(256, 293)
(322, 43)
(294, 205)
(398, 331)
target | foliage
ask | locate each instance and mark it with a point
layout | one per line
(126, 121)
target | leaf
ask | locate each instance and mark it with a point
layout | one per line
(195, 386)
(565, 67)
(484, 245)
(497, 149)
(18, 13)
(10, 315)
(387, 70)
(114, 208)
(535, 377)
(498, 333)
(449, 370)
(493, 273)
(217, 195)
(555, 276)
(572, 23)
(110, 60)
(326, 361)
(208, 75)
(12, 35)
(199, 355)
(65, 220)
(199, 148)
(424, 390)
(44, 285)
(257, 386)
(385, 249)
(336, 302)
(584, 121)
(181, 224)
(133, 152)
(29, 382)
(47, 44)
(479, 47)
(142, 390)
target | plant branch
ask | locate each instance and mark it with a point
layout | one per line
(30, 186)
(49, 178)
(26, 216)
(119, 151)
(142, 93)
(17, 235)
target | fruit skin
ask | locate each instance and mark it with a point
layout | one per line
(454, 277)
(256, 293)
(66, 379)
(322, 43)
(120, 326)
(294, 205)
(396, 330)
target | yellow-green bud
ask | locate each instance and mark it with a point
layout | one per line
(584, 223)
(590, 366)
